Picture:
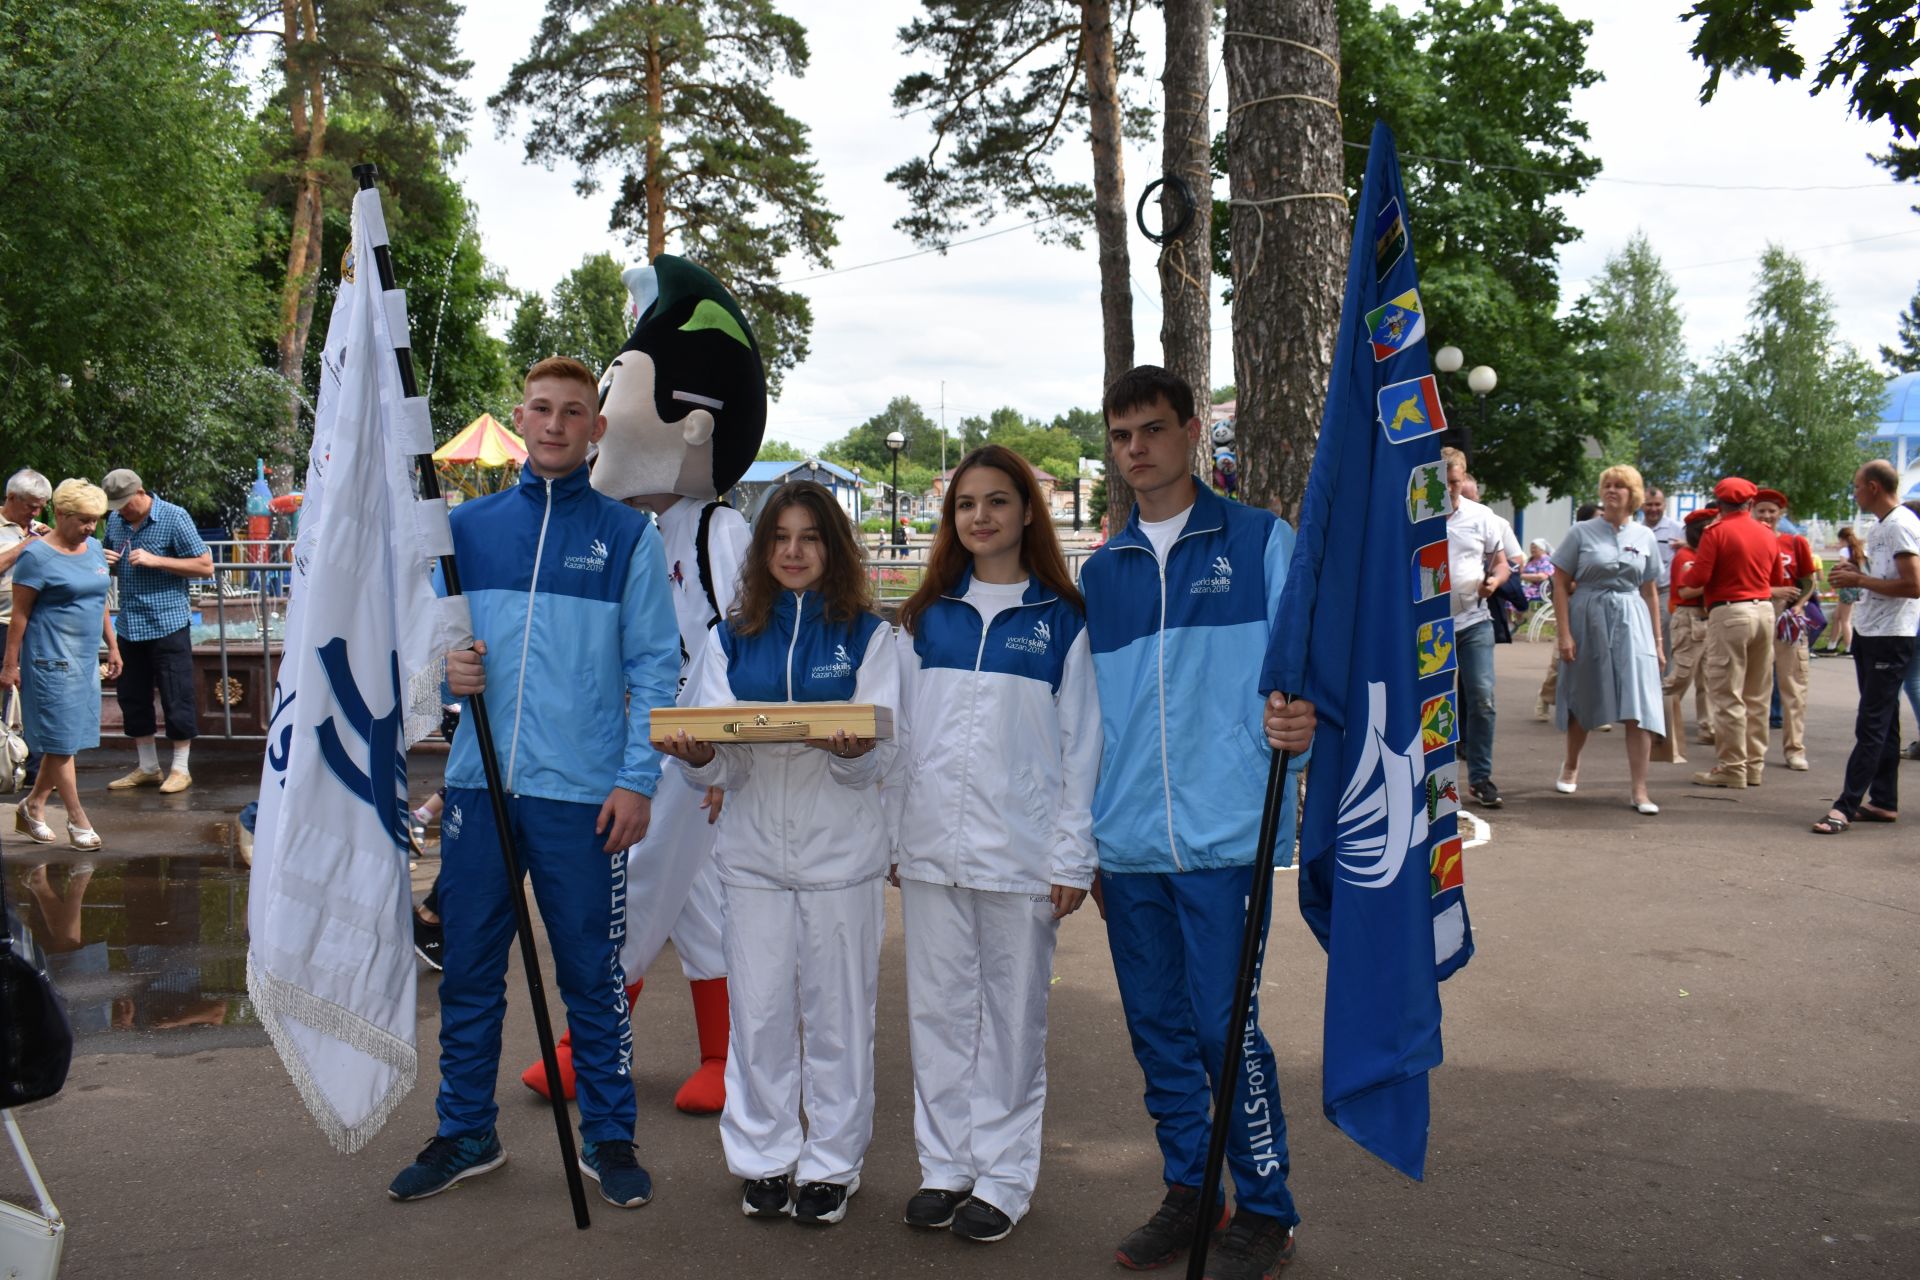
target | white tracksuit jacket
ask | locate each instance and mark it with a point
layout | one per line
(802, 849)
(999, 755)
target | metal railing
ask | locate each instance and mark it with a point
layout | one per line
(252, 577)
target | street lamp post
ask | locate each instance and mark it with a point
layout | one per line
(1481, 380)
(856, 497)
(895, 443)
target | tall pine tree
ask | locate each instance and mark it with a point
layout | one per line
(399, 57)
(1015, 81)
(668, 97)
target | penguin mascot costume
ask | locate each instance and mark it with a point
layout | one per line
(686, 407)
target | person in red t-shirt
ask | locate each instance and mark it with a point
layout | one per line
(1686, 667)
(1793, 585)
(1735, 567)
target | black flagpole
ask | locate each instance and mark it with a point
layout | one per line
(1259, 896)
(496, 790)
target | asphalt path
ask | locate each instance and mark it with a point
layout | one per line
(1686, 1047)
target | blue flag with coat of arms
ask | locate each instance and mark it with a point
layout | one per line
(1380, 850)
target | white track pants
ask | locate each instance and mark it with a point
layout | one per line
(673, 886)
(979, 965)
(803, 969)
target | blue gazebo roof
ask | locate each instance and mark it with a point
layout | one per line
(1900, 411)
(768, 472)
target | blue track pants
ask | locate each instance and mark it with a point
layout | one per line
(1176, 951)
(581, 892)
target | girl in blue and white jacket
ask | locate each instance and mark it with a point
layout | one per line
(802, 850)
(994, 840)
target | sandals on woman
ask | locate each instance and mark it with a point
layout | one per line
(1831, 825)
(1867, 813)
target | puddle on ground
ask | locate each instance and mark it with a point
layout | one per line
(150, 953)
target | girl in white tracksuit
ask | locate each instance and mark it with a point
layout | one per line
(802, 850)
(993, 836)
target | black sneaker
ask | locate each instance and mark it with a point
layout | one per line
(429, 942)
(767, 1197)
(1167, 1233)
(1913, 750)
(622, 1181)
(1254, 1247)
(821, 1204)
(932, 1208)
(980, 1222)
(1485, 794)
(446, 1161)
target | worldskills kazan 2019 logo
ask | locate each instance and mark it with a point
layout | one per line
(1036, 643)
(1220, 580)
(839, 669)
(593, 562)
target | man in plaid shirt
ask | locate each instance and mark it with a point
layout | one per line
(154, 548)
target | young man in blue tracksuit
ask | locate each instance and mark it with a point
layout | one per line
(1179, 607)
(574, 644)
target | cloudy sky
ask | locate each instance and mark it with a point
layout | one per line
(1011, 321)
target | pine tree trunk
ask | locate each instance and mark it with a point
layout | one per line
(1109, 211)
(1289, 237)
(1186, 290)
(654, 178)
(308, 118)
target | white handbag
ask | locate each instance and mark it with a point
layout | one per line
(30, 1241)
(13, 750)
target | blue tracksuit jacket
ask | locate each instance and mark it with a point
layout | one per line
(568, 589)
(1177, 653)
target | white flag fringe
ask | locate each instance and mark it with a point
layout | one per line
(330, 962)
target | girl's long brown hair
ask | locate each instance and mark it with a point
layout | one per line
(843, 581)
(1039, 546)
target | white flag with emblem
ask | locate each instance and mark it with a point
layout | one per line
(330, 962)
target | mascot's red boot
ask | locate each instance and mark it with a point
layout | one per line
(705, 1092)
(535, 1076)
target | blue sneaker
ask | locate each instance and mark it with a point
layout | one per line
(622, 1180)
(445, 1162)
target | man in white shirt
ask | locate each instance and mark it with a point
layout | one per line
(1668, 534)
(1884, 623)
(1477, 552)
(1666, 531)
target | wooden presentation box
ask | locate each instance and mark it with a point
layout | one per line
(772, 721)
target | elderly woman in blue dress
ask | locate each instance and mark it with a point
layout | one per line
(53, 655)
(1605, 592)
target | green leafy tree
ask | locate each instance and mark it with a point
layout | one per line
(1905, 358)
(1490, 82)
(130, 313)
(1055, 450)
(866, 444)
(1014, 81)
(670, 98)
(452, 290)
(400, 57)
(781, 451)
(1088, 426)
(1874, 58)
(1791, 402)
(1642, 375)
(586, 318)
